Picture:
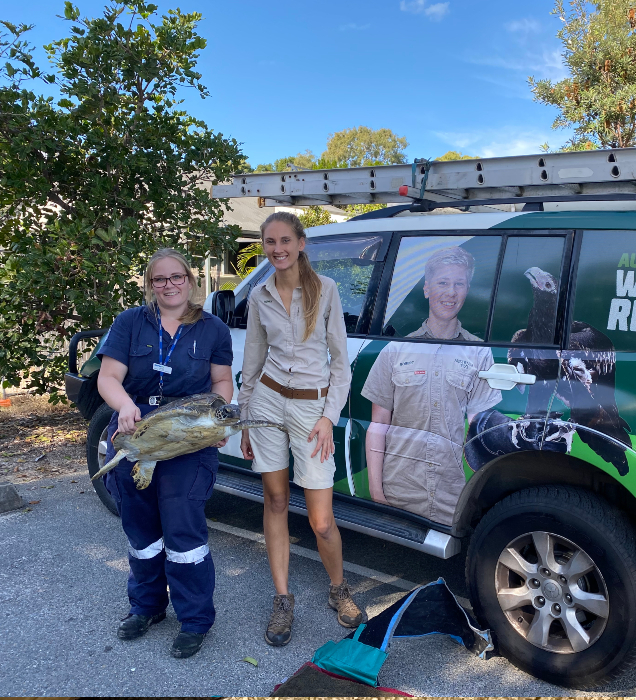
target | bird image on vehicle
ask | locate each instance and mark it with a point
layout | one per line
(588, 389)
(587, 382)
(539, 329)
(180, 427)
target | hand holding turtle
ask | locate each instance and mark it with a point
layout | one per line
(129, 415)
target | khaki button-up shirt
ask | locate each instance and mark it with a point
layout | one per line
(429, 389)
(320, 361)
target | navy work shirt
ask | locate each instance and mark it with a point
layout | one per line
(133, 340)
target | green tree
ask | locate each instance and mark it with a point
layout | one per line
(91, 184)
(598, 99)
(363, 146)
(455, 155)
(315, 216)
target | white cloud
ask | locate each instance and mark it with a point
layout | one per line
(353, 27)
(548, 64)
(493, 143)
(420, 7)
(437, 11)
(523, 26)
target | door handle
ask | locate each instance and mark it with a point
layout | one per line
(505, 377)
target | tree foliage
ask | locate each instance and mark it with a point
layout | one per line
(315, 216)
(91, 184)
(598, 99)
(455, 155)
(348, 148)
(364, 146)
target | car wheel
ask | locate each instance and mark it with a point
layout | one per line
(552, 572)
(96, 452)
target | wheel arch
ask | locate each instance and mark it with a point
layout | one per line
(510, 473)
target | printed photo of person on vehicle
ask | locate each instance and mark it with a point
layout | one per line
(421, 394)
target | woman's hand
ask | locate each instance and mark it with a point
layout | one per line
(222, 443)
(129, 414)
(323, 430)
(377, 494)
(246, 445)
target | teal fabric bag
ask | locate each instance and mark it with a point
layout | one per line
(351, 658)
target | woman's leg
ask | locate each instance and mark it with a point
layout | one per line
(320, 511)
(322, 521)
(275, 526)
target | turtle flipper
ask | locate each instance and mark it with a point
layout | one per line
(245, 424)
(112, 464)
(142, 473)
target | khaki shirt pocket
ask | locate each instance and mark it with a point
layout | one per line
(410, 377)
(461, 381)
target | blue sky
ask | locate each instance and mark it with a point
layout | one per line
(285, 74)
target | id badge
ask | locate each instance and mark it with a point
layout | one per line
(162, 368)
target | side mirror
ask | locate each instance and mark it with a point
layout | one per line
(221, 304)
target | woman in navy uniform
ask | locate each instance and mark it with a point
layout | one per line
(154, 354)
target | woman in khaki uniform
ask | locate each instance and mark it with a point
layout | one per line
(295, 324)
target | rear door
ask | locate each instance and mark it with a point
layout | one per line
(597, 389)
(417, 397)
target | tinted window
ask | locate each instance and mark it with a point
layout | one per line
(528, 289)
(606, 289)
(350, 262)
(460, 271)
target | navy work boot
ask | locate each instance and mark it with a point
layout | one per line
(135, 626)
(186, 644)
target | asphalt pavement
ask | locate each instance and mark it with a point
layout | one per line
(63, 571)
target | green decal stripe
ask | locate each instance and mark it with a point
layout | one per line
(572, 219)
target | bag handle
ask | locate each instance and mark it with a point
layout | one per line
(358, 632)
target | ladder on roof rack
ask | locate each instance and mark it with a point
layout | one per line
(571, 176)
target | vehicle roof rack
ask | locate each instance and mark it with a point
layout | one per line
(425, 185)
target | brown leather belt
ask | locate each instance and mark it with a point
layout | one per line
(289, 393)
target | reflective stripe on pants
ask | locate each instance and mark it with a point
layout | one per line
(194, 556)
(149, 552)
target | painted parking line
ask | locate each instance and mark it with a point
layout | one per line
(372, 574)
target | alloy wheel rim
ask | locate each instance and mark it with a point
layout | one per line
(102, 446)
(552, 592)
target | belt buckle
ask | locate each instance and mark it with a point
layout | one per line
(154, 400)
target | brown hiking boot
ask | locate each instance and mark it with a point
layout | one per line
(349, 614)
(279, 629)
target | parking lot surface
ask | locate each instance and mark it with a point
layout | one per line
(63, 571)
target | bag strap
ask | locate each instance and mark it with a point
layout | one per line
(358, 632)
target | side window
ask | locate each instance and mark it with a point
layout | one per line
(604, 313)
(354, 264)
(439, 281)
(528, 289)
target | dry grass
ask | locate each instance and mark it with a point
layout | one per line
(31, 404)
(40, 440)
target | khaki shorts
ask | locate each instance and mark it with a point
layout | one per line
(271, 446)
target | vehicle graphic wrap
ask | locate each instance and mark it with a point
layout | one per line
(440, 422)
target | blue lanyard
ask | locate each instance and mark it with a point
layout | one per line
(174, 342)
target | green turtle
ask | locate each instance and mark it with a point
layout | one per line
(178, 428)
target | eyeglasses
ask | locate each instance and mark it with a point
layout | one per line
(163, 281)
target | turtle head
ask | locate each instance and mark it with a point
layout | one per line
(228, 413)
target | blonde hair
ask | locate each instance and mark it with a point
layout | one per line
(310, 283)
(193, 314)
(450, 256)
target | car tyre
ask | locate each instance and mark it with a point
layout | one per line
(96, 452)
(577, 627)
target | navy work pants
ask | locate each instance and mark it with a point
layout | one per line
(168, 536)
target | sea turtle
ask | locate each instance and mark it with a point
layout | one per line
(178, 428)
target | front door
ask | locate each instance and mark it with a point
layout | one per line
(463, 369)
